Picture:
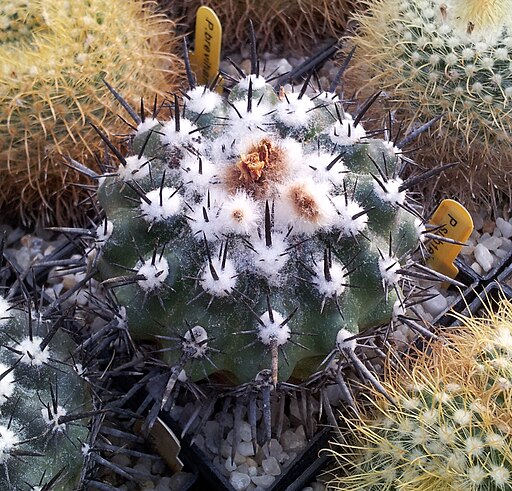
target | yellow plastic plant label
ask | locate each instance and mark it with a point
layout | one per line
(205, 60)
(454, 222)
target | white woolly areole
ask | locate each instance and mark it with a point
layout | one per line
(388, 267)
(258, 82)
(226, 281)
(172, 137)
(146, 125)
(239, 214)
(293, 111)
(249, 121)
(305, 205)
(398, 309)
(103, 232)
(134, 168)
(190, 172)
(51, 417)
(320, 162)
(343, 342)
(8, 440)
(203, 100)
(156, 212)
(269, 261)
(271, 332)
(155, 274)
(392, 194)
(346, 209)
(336, 285)
(4, 314)
(32, 353)
(326, 98)
(345, 133)
(195, 342)
(6, 384)
(420, 229)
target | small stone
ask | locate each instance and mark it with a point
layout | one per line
(501, 253)
(505, 227)
(435, 305)
(276, 67)
(244, 431)
(492, 243)
(477, 268)
(246, 449)
(317, 486)
(483, 257)
(229, 465)
(275, 448)
(252, 470)
(158, 467)
(239, 481)
(122, 460)
(271, 466)
(263, 481)
(478, 220)
(164, 484)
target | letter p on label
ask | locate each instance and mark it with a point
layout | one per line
(453, 217)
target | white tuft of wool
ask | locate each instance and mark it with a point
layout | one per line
(271, 332)
(388, 267)
(194, 342)
(198, 176)
(164, 204)
(293, 111)
(134, 168)
(154, 274)
(51, 417)
(32, 353)
(345, 133)
(344, 341)
(320, 162)
(239, 214)
(346, 210)
(8, 440)
(103, 232)
(172, 137)
(226, 278)
(146, 125)
(202, 100)
(269, 261)
(336, 285)
(258, 82)
(392, 194)
(6, 383)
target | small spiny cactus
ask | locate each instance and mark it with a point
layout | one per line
(257, 234)
(44, 407)
(436, 58)
(446, 423)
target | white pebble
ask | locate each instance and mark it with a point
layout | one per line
(229, 465)
(263, 481)
(492, 243)
(271, 466)
(435, 305)
(245, 448)
(245, 431)
(477, 268)
(505, 227)
(483, 257)
(239, 481)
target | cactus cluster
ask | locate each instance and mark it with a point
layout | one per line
(44, 407)
(55, 56)
(450, 58)
(446, 423)
(258, 233)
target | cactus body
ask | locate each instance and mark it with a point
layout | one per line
(271, 221)
(41, 445)
(54, 57)
(448, 58)
(450, 424)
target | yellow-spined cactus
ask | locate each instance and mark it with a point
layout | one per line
(450, 58)
(449, 426)
(54, 56)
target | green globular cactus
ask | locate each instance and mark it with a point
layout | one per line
(450, 58)
(43, 436)
(447, 421)
(257, 232)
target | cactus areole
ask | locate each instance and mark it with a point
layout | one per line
(246, 232)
